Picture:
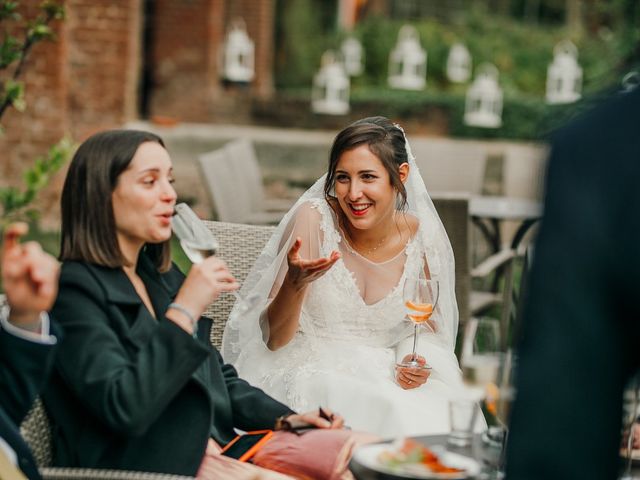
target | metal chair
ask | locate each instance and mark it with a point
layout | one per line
(234, 183)
(453, 209)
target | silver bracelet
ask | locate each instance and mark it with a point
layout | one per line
(187, 313)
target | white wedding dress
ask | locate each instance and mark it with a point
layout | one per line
(344, 353)
(352, 329)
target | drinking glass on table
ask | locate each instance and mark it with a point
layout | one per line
(481, 355)
(489, 373)
(199, 243)
(420, 296)
(480, 362)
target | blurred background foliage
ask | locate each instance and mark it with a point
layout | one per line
(518, 38)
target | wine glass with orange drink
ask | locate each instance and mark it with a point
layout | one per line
(420, 296)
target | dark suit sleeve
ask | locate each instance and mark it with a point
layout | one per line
(127, 392)
(580, 328)
(252, 408)
(24, 368)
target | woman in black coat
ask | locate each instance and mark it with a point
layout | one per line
(137, 384)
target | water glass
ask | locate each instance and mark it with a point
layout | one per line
(463, 413)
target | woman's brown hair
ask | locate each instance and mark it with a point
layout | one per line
(88, 223)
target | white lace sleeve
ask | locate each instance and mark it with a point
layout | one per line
(268, 273)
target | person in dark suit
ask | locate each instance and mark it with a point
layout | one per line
(581, 326)
(137, 384)
(29, 279)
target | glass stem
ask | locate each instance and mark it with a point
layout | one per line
(415, 341)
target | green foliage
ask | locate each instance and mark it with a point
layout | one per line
(15, 49)
(521, 52)
(15, 201)
(303, 37)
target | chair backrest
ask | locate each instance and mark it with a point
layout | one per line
(242, 156)
(227, 190)
(448, 166)
(240, 245)
(454, 213)
(524, 171)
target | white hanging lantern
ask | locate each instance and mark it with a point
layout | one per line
(330, 94)
(352, 54)
(408, 61)
(564, 75)
(459, 64)
(483, 107)
(238, 56)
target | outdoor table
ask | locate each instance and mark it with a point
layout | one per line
(487, 212)
(488, 457)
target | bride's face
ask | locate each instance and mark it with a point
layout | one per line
(363, 188)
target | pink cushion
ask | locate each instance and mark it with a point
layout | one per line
(316, 454)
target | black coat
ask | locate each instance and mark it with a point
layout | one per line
(132, 392)
(581, 332)
(24, 367)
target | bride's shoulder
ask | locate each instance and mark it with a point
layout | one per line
(311, 211)
(409, 225)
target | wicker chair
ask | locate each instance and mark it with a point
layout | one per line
(36, 431)
(240, 245)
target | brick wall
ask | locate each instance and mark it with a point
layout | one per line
(104, 62)
(84, 81)
(89, 79)
(182, 56)
(186, 45)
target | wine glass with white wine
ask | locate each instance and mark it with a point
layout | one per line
(199, 243)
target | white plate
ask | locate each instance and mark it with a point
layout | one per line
(367, 456)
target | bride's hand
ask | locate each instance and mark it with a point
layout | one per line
(302, 272)
(409, 378)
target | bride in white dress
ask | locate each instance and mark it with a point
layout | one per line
(330, 325)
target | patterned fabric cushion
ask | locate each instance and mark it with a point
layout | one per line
(240, 245)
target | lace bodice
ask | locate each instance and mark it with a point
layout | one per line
(335, 308)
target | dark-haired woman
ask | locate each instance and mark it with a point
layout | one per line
(332, 324)
(137, 385)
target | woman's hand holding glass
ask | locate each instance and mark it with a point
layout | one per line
(302, 272)
(205, 282)
(412, 377)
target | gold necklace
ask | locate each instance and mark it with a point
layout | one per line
(351, 244)
(367, 251)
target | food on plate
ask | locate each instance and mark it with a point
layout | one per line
(410, 453)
